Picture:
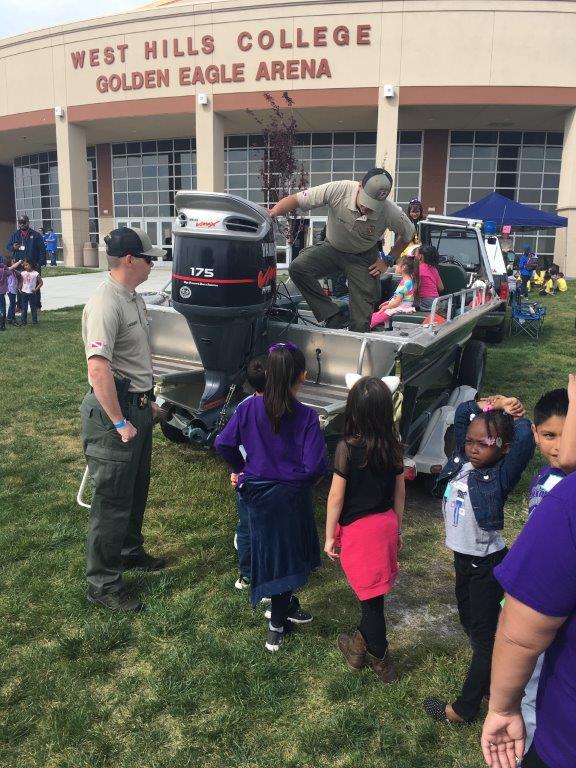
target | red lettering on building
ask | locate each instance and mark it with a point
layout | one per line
(207, 44)
(300, 42)
(341, 36)
(244, 41)
(109, 57)
(206, 224)
(265, 39)
(78, 59)
(363, 34)
(320, 36)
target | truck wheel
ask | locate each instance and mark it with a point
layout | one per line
(172, 434)
(496, 335)
(472, 365)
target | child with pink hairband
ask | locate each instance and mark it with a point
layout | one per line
(494, 443)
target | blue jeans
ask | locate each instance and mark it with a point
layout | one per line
(29, 300)
(52, 255)
(243, 537)
(12, 308)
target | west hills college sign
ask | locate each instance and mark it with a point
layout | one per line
(179, 72)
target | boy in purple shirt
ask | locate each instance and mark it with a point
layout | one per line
(539, 577)
(554, 431)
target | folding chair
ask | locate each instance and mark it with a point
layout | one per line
(526, 317)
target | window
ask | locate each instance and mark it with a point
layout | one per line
(523, 166)
(36, 190)
(146, 176)
(323, 157)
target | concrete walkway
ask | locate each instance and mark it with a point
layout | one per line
(71, 290)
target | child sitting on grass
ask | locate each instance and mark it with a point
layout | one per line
(256, 378)
(554, 431)
(494, 444)
(364, 518)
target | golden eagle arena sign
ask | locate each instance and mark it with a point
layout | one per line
(191, 73)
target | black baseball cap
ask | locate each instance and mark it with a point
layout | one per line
(134, 242)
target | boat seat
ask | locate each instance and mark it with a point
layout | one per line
(454, 277)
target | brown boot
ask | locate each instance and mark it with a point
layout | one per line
(353, 648)
(384, 668)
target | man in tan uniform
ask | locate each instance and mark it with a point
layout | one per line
(358, 216)
(117, 419)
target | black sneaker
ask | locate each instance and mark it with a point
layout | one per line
(117, 601)
(143, 562)
(296, 614)
(274, 640)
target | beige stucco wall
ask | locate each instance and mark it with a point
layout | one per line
(418, 43)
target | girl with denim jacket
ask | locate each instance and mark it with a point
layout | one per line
(494, 443)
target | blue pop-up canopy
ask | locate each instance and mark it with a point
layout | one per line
(502, 210)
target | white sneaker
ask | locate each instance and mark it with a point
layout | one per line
(242, 583)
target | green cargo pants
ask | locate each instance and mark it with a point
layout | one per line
(120, 474)
(321, 260)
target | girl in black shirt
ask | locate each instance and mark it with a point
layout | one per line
(364, 517)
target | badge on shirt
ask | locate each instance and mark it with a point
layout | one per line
(371, 230)
(96, 345)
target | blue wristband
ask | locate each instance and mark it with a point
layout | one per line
(120, 424)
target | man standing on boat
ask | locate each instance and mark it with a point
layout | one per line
(358, 216)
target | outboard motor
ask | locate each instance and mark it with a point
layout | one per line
(223, 281)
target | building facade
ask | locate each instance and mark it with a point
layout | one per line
(102, 121)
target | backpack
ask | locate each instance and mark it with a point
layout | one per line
(532, 262)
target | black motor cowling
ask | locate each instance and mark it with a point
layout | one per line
(223, 281)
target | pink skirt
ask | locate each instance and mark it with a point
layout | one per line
(369, 553)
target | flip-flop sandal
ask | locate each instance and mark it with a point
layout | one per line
(436, 709)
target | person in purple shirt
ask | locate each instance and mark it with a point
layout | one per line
(285, 455)
(539, 578)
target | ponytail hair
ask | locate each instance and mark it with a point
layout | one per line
(285, 365)
(409, 263)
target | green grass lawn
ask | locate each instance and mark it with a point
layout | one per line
(49, 271)
(188, 683)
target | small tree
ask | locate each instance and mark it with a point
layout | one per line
(280, 172)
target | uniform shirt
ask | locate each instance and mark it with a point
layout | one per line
(540, 571)
(115, 326)
(346, 229)
(463, 534)
(29, 281)
(295, 455)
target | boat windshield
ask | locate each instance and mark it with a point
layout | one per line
(459, 245)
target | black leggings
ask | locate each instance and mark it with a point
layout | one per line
(279, 609)
(373, 625)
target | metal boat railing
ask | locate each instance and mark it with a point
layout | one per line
(462, 300)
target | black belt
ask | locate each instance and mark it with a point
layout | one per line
(141, 399)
